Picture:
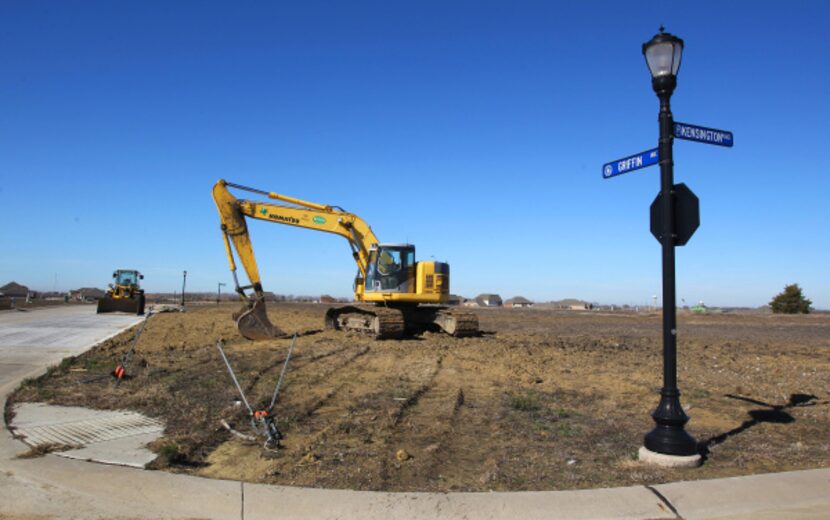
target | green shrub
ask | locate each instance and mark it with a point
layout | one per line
(791, 301)
(171, 455)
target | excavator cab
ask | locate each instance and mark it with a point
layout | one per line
(391, 269)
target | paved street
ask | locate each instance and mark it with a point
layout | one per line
(39, 337)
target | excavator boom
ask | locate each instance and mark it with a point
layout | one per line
(252, 321)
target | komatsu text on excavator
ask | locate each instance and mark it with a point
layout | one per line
(396, 295)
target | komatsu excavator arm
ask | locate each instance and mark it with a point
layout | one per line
(252, 321)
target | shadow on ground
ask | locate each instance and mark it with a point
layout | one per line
(771, 413)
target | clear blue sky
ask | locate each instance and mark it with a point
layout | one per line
(475, 130)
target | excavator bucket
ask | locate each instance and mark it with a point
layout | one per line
(253, 323)
(130, 305)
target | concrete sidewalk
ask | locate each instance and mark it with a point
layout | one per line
(61, 488)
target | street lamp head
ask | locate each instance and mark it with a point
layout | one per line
(663, 54)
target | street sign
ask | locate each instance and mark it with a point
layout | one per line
(686, 215)
(629, 164)
(702, 134)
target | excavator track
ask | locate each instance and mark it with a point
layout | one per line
(380, 322)
(460, 324)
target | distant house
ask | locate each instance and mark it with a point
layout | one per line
(454, 299)
(87, 294)
(573, 304)
(583, 307)
(488, 300)
(14, 290)
(518, 301)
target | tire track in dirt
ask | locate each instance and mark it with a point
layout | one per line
(310, 406)
(456, 454)
(427, 438)
(303, 360)
(415, 398)
(314, 405)
(412, 428)
(347, 426)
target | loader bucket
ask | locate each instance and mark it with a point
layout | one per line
(253, 323)
(129, 305)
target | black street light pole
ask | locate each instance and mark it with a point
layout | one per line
(219, 292)
(663, 54)
(184, 281)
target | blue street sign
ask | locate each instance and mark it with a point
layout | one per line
(702, 134)
(631, 163)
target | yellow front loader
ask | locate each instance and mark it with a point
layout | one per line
(396, 294)
(124, 294)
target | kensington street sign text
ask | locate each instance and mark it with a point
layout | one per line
(702, 134)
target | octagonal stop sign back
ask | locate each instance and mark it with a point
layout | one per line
(686, 215)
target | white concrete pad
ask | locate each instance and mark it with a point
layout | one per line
(110, 437)
(126, 451)
(669, 461)
(796, 494)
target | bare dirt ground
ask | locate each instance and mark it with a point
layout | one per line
(542, 400)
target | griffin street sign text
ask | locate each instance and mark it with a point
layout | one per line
(629, 164)
(702, 134)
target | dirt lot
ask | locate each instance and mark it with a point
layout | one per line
(542, 400)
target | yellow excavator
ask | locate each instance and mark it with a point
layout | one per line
(396, 295)
(124, 294)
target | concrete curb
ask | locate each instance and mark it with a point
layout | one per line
(260, 502)
(794, 494)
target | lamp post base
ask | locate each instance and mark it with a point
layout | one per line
(668, 436)
(669, 461)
